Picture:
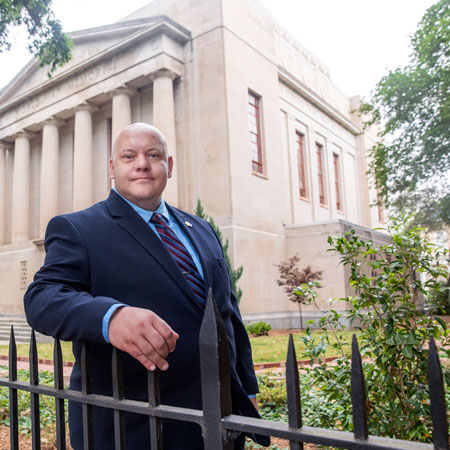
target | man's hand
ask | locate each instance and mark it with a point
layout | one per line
(254, 400)
(142, 334)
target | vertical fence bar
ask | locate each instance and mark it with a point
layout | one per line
(293, 392)
(358, 394)
(13, 403)
(215, 377)
(154, 400)
(86, 389)
(117, 381)
(437, 399)
(34, 381)
(59, 402)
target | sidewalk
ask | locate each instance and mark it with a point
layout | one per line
(43, 364)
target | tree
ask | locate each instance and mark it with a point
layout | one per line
(235, 274)
(291, 277)
(411, 163)
(46, 38)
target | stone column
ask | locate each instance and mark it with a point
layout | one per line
(121, 110)
(82, 158)
(48, 206)
(20, 219)
(164, 120)
(3, 148)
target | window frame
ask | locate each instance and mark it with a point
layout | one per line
(301, 165)
(320, 151)
(337, 182)
(256, 138)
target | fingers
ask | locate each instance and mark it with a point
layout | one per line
(144, 335)
(168, 335)
(148, 357)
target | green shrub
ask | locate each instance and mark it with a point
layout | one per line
(46, 406)
(258, 328)
(439, 303)
(272, 396)
(389, 281)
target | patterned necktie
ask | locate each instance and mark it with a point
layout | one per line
(181, 256)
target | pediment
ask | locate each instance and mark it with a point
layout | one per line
(88, 45)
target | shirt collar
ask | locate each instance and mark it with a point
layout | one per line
(145, 213)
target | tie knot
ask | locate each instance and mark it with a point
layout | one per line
(157, 218)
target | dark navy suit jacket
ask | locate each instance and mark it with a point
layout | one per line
(108, 254)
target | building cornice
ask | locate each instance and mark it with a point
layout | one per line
(300, 88)
(163, 26)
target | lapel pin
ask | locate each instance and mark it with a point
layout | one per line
(188, 224)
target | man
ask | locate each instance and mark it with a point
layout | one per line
(112, 275)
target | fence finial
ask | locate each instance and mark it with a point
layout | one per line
(358, 394)
(437, 399)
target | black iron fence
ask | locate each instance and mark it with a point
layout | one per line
(218, 423)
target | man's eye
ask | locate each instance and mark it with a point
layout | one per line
(128, 156)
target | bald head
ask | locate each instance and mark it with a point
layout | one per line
(140, 165)
(138, 128)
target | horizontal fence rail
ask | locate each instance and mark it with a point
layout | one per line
(219, 425)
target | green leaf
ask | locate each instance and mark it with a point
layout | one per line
(441, 322)
(407, 351)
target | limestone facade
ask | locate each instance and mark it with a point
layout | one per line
(276, 186)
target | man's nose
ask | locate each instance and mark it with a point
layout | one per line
(142, 162)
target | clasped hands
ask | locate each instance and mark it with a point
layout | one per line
(144, 335)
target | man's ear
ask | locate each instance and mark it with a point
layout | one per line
(170, 167)
(111, 169)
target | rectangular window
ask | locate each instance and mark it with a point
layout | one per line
(321, 174)
(301, 165)
(255, 133)
(337, 182)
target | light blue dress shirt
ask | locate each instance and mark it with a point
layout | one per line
(174, 225)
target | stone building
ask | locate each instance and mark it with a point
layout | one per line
(257, 129)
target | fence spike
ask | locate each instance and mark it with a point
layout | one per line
(34, 381)
(34, 369)
(59, 402)
(58, 365)
(154, 400)
(13, 403)
(86, 389)
(437, 399)
(12, 356)
(117, 381)
(215, 376)
(358, 394)
(293, 392)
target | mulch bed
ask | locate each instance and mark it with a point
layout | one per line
(24, 443)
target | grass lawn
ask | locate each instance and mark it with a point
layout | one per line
(265, 348)
(274, 348)
(45, 350)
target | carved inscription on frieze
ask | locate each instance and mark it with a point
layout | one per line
(79, 80)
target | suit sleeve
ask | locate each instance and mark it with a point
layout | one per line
(244, 361)
(58, 302)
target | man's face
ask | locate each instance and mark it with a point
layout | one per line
(140, 166)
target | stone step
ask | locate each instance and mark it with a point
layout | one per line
(22, 331)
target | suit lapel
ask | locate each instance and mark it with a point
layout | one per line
(132, 223)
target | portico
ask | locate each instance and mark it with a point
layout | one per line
(60, 132)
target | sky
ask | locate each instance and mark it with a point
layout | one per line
(358, 40)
